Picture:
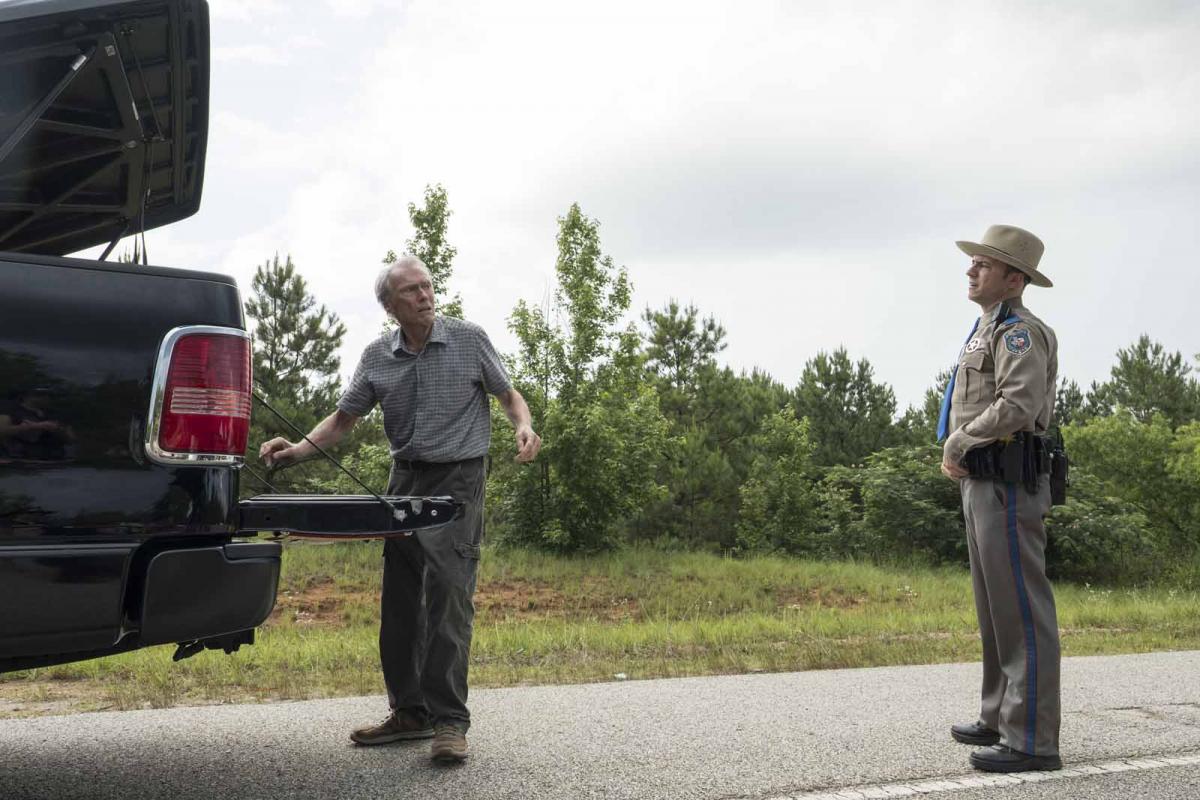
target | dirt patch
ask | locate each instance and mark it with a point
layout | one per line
(322, 604)
(824, 597)
(538, 600)
(319, 604)
(1066, 631)
(44, 698)
(521, 599)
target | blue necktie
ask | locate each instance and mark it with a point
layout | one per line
(944, 416)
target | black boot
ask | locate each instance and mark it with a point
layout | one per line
(974, 733)
(1001, 758)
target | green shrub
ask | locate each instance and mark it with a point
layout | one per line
(778, 501)
(1100, 539)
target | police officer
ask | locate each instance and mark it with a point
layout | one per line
(1000, 397)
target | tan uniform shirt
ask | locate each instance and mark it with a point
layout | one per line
(1006, 379)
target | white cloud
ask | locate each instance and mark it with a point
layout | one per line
(359, 9)
(245, 10)
(238, 144)
(251, 53)
(278, 53)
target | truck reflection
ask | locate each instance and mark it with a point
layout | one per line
(29, 433)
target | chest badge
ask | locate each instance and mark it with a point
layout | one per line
(973, 345)
(1017, 341)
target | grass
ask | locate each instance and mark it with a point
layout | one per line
(640, 613)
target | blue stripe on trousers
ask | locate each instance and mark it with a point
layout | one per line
(1014, 553)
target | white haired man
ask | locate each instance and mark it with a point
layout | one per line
(431, 376)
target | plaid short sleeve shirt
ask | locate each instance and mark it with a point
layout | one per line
(434, 403)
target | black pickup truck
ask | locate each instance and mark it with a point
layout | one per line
(126, 390)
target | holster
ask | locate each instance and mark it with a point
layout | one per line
(1059, 476)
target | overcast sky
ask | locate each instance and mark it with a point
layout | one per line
(801, 170)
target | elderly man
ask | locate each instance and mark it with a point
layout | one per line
(431, 377)
(1000, 397)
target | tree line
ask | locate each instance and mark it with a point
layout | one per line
(648, 438)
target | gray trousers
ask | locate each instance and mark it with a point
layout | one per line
(427, 609)
(1006, 539)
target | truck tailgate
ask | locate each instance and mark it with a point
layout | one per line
(344, 516)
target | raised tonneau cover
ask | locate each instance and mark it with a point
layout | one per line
(103, 119)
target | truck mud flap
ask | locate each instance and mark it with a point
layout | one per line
(201, 592)
(344, 516)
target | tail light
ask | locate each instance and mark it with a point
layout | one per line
(200, 410)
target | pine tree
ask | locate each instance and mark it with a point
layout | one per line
(296, 358)
(1147, 380)
(850, 415)
(429, 244)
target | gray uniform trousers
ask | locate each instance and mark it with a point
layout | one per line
(1006, 539)
(427, 607)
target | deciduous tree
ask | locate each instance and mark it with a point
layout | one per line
(601, 422)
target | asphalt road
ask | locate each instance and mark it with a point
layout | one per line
(861, 733)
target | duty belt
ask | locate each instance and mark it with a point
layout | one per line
(1020, 458)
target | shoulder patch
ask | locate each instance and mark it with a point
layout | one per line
(1018, 341)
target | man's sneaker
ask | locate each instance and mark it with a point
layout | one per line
(399, 726)
(449, 745)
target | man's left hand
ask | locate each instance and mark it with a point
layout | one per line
(528, 444)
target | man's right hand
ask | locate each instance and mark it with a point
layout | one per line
(277, 453)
